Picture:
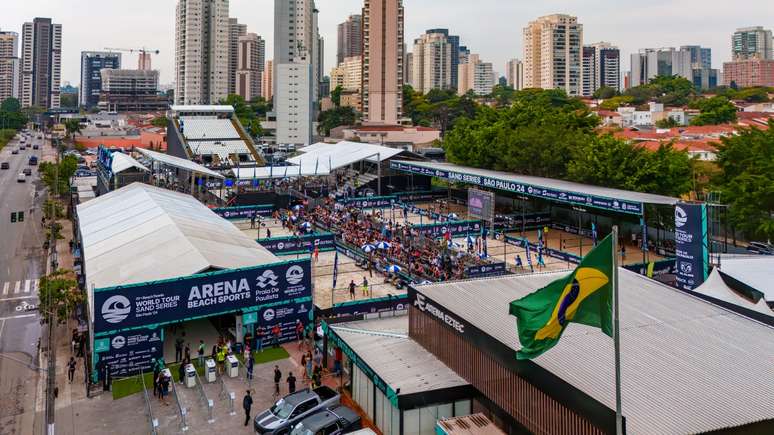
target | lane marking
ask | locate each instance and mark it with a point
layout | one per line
(21, 316)
(17, 287)
(27, 286)
(5, 288)
(18, 298)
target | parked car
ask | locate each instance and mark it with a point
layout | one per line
(335, 420)
(5, 165)
(21, 178)
(760, 248)
(291, 409)
(27, 171)
(35, 147)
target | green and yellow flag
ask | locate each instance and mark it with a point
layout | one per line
(585, 296)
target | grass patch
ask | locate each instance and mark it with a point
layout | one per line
(268, 354)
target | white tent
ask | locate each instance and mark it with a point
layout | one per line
(715, 287)
(122, 162)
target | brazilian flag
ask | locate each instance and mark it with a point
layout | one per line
(584, 296)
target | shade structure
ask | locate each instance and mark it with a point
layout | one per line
(394, 268)
(383, 245)
(368, 248)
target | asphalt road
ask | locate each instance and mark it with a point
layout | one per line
(22, 262)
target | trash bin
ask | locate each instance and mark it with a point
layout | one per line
(212, 370)
(232, 366)
(190, 376)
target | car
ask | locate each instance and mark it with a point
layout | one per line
(33, 160)
(35, 147)
(27, 171)
(15, 151)
(21, 178)
(332, 421)
(293, 408)
(22, 147)
(5, 165)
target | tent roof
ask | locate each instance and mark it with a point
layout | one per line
(756, 271)
(122, 162)
(177, 162)
(715, 287)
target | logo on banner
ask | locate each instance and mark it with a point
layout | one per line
(116, 309)
(294, 275)
(268, 315)
(267, 279)
(118, 342)
(280, 246)
(681, 217)
(302, 309)
(686, 268)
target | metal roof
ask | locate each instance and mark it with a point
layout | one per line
(401, 362)
(688, 366)
(550, 183)
(177, 162)
(756, 271)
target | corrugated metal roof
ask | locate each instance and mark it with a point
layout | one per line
(549, 183)
(687, 366)
(757, 271)
(401, 362)
(474, 424)
(179, 163)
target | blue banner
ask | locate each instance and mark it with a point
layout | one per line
(654, 268)
(173, 300)
(537, 191)
(554, 253)
(366, 306)
(529, 221)
(422, 196)
(293, 245)
(245, 212)
(458, 228)
(370, 201)
(691, 247)
(128, 353)
(285, 316)
(492, 269)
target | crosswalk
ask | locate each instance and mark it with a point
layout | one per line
(22, 287)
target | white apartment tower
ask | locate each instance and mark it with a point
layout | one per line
(651, 62)
(601, 67)
(41, 64)
(553, 48)
(235, 31)
(475, 76)
(514, 74)
(432, 62)
(251, 57)
(752, 43)
(202, 32)
(9, 65)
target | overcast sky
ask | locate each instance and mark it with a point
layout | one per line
(491, 28)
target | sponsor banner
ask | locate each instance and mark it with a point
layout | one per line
(554, 253)
(529, 221)
(572, 229)
(366, 306)
(200, 295)
(244, 212)
(370, 201)
(105, 160)
(481, 204)
(286, 316)
(457, 228)
(493, 269)
(127, 353)
(422, 196)
(691, 247)
(654, 268)
(569, 197)
(293, 245)
(422, 212)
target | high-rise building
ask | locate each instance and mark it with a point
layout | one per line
(750, 72)
(649, 63)
(267, 81)
(752, 42)
(92, 62)
(408, 69)
(9, 65)
(350, 38)
(382, 61)
(348, 75)
(131, 90)
(454, 41)
(432, 62)
(144, 61)
(601, 67)
(41, 64)
(514, 74)
(235, 31)
(476, 76)
(251, 57)
(553, 50)
(701, 58)
(297, 69)
(201, 51)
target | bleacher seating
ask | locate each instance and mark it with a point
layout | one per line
(208, 129)
(222, 148)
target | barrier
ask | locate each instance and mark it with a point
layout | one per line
(369, 201)
(485, 270)
(288, 245)
(456, 228)
(365, 306)
(654, 268)
(549, 252)
(245, 211)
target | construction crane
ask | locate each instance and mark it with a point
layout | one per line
(144, 59)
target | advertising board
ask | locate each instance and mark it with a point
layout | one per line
(370, 201)
(126, 353)
(305, 243)
(480, 271)
(481, 204)
(457, 229)
(691, 247)
(244, 212)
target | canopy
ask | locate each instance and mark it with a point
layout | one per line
(716, 287)
(177, 162)
(122, 162)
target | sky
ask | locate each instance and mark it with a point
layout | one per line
(491, 28)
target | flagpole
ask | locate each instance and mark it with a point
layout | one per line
(616, 337)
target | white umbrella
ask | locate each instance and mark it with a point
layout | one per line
(393, 269)
(470, 239)
(297, 207)
(453, 216)
(383, 245)
(306, 225)
(368, 248)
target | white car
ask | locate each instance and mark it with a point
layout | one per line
(21, 178)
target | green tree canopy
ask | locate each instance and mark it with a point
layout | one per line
(336, 95)
(336, 117)
(160, 122)
(57, 176)
(714, 110)
(10, 105)
(11, 115)
(247, 113)
(605, 92)
(669, 90)
(58, 293)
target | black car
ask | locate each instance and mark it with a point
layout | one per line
(15, 151)
(27, 171)
(5, 165)
(333, 421)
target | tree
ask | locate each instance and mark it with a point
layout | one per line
(160, 122)
(610, 162)
(668, 90)
(336, 117)
(336, 96)
(10, 105)
(69, 101)
(72, 126)
(667, 122)
(604, 93)
(714, 110)
(63, 171)
(746, 161)
(58, 293)
(616, 102)
(11, 115)
(247, 113)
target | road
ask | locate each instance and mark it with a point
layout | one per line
(22, 263)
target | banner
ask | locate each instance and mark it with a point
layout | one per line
(481, 204)
(128, 353)
(197, 296)
(554, 253)
(370, 201)
(245, 212)
(422, 196)
(365, 306)
(285, 316)
(654, 268)
(529, 221)
(537, 191)
(571, 229)
(493, 269)
(458, 229)
(292, 245)
(691, 247)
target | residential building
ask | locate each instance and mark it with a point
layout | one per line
(454, 41)
(235, 31)
(463, 55)
(202, 31)
(752, 43)
(9, 65)
(408, 69)
(553, 50)
(350, 38)
(92, 63)
(267, 81)
(705, 78)
(297, 75)
(383, 53)
(131, 90)
(397, 136)
(432, 62)
(745, 73)
(475, 76)
(601, 67)
(41, 64)
(514, 74)
(701, 58)
(251, 57)
(348, 75)
(652, 62)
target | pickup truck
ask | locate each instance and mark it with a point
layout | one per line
(335, 420)
(291, 409)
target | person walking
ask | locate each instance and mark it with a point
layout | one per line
(181, 372)
(291, 383)
(268, 233)
(156, 371)
(164, 389)
(276, 333)
(187, 353)
(247, 404)
(252, 224)
(200, 353)
(277, 379)
(71, 369)
(299, 333)
(365, 287)
(221, 360)
(316, 253)
(309, 365)
(250, 365)
(352, 287)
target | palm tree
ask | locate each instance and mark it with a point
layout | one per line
(72, 126)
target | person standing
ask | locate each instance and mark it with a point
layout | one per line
(259, 339)
(247, 404)
(365, 287)
(276, 333)
(221, 360)
(316, 253)
(71, 369)
(164, 388)
(299, 333)
(291, 383)
(250, 365)
(156, 371)
(252, 226)
(187, 353)
(200, 353)
(352, 287)
(277, 379)
(179, 348)
(268, 233)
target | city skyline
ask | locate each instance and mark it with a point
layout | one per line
(629, 25)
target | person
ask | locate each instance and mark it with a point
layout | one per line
(316, 377)
(299, 333)
(259, 338)
(352, 289)
(252, 224)
(277, 379)
(365, 287)
(221, 360)
(291, 383)
(214, 353)
(156, 371)
(268, 233)
(316, 253)
(179, 348)
(187, 353)
(303, 366)
(164, 388)
(317, 357)
(623, 251)
(276, 333)
(71, 369)
(181, 372)
(247, 404)
(337, 361)
(200, 353)
(250, 365)
(519, 264)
